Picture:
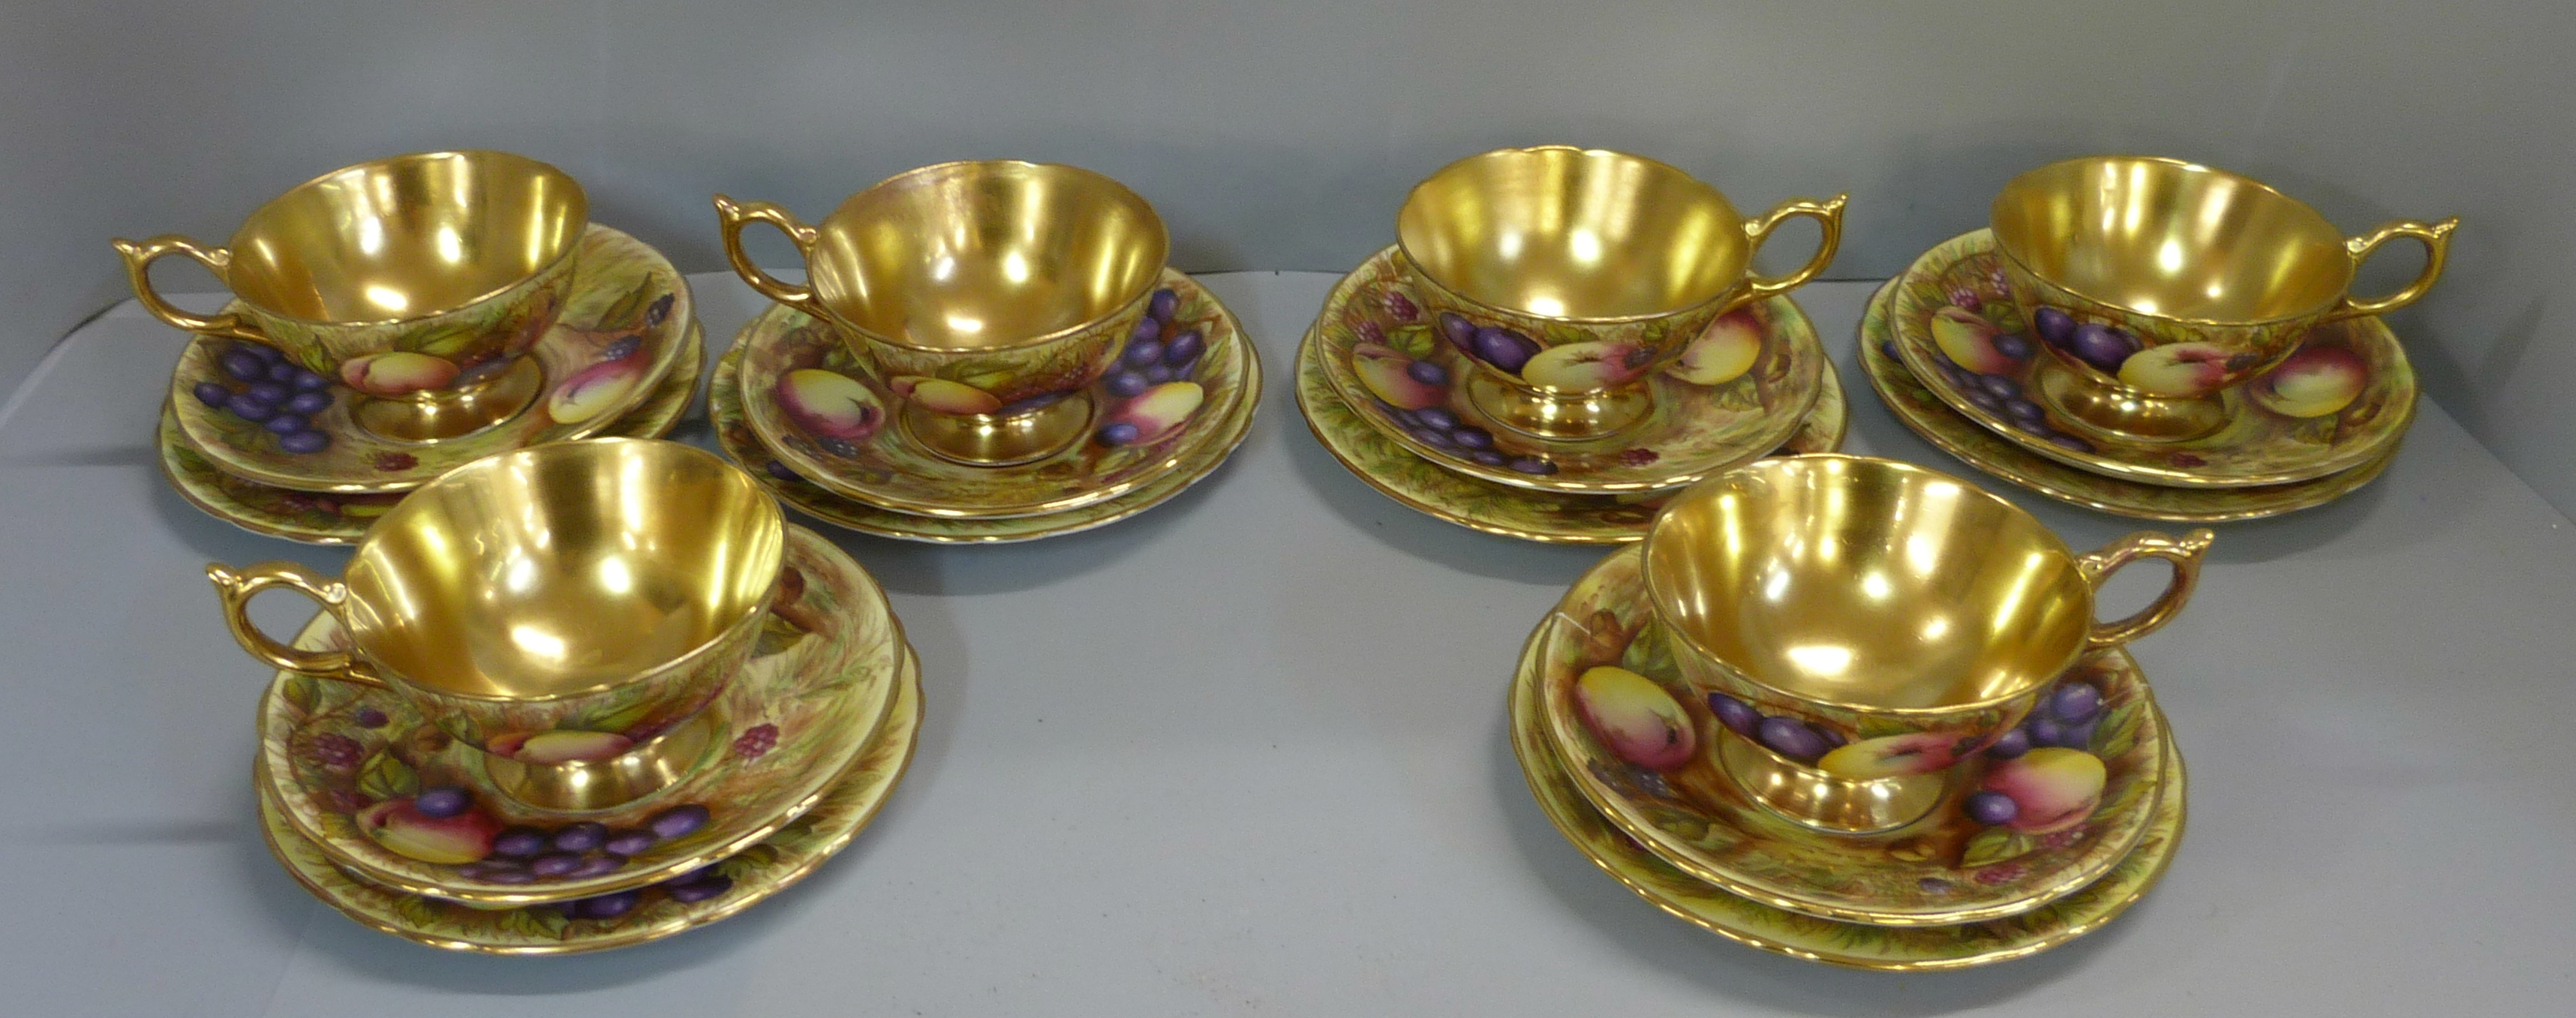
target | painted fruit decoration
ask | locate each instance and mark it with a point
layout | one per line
(1635, 718)
(260, 386)
(2177, 369)
(2314, 382)
(592, 390)
(1507, 350)
(1404, 383)
(451, 837)
(939, 395)
(1890, 756)
(562, 745)
(1722, 353)
(1149, 388)
(2043, 776)
(1157, 412)
(1983, 364)
(397, 373)
(828, 404)
(1790, 737)
(1587, 366)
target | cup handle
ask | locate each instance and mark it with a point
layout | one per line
(237, 588)
(2184, 552)
(733, 216)
(1828, 215)
(138, 263)
(2437, 249)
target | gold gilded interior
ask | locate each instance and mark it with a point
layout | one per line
(2170, 238)
(406, 237)
(563, 567)
(1867, 583)
(1576, 234)
(986, 255)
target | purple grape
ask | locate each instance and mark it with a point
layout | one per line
(1184, 348)
(1999, 387)
(2044, 731)
(281, 372)
(1887, 349)
(678, 821)
(1791, 738)
(304, 443)
(598, 865)
(1164, 305)
(1471, 437)
(285, 424)
(2063, 440)
(489, 869)
(249, 407)
(581, 837)
(2012, 744)
(211, 394)
(837, 446)
(369, 717)
(2101, 346)
(1120, 433)
(1143, 352)
(267, 392)
(606, 906)
(243, 365)
(1433, 437)
(1533, 465)
(660, 311)
(1427, 373)
(509, 875)
(1460, 332)
(621, 349)
(1833, 740)
(700, 889)
(1488, 457)
(2079, 736)
(518, 842)
(2055, 327)
(1736, 714)
(1127, 383)
(1403, 417)
(779, 470)
(442, 801)
(306, 381)
(555, 864)
(630, 842)
(1436, 418)
(1158, 373)
(2025, 413)
(1978, 397)
(2011, 344)
(479, 371)
(1147, 330)
(1504, 349)
(1992, 808)
(2075, 702)
(266, 353)
(307, 403)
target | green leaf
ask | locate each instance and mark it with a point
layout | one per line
(1650, 654)
(621, 717)
(2117, 733)
(776, 634)
(420, 912)
(534, 923)
(1994, 845)
(299, 693)
(1560, 335)
(628, 311)
(387, 777)
(1416, 341)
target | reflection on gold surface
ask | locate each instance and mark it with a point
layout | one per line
(1568, 233)
(604, 784)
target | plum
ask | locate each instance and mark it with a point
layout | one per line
(1503, 348)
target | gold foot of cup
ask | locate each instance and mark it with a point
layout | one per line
(2127, 415)
(1812, 798)
(1561, 417)
(603, 784)
(454, 413)
(1001, 439)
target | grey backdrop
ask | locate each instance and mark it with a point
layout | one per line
(1282, 133)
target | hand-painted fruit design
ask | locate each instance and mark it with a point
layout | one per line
(1156, 413)
(2315, 382)
(396, 373)
(1722, 353)
(1401, 381)
(939, 395)
(262, 387)
(1891, 756)
(2104, 347)
(828, 404)
(1788, 736)
(1635, 718)
(592, 390)
(2177, 369)
(1508, 351)
(403, 827)
(1582, 367)
(558, 746)
(1149, 382)
(2063, 722)
(1968, 339)
(2051, 788)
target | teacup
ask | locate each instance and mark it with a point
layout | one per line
(561, 605)
(988, 295)
(420, 281)
(2158, 284)
(1861, 626)
(1568, 276)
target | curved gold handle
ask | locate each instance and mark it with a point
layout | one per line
(138, 264)
(237, 588)
(2437, 249)
(732, 216)
(1828, 215)
(2184, 552)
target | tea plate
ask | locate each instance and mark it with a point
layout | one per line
(1552, 517)
(1852, 945)
(619, 333)
(822, 410)
(335, 518)
(2350, 392)
(735, 437)
(1764, 371)
(625, 918)
(1944, 869)
(348, 764)
(1974, 445)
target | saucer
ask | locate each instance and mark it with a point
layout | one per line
(346, 763)
(1853, 945)
(648, 914)
(325, 518)
(1495, 509)
(1694, 430)
(1929, 417)
(2260, 444)
(846, 449)
(1944, 869)
(734, 435)
(619, 333)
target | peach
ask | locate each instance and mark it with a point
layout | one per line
(1890, 756)
(404, 830)
(1581, 367)
(1390, 375)
(562, 745)
(2313, 383)
(2176, 369)
(396, 373)
(2052, 788)
(1633, 716)
(1156, 411)
(1969, 341)
(828, 404)
(592, 390)
(939, 395)
(1722, 353)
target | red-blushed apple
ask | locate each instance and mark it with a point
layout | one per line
(1156, 411)
(592, 390)
(1722, 353)
(1582, 367)
(1968, 340)
(1633, 716)
(1890, 756)
(2176, 369)
(396, 373)
(828, 404)
(2052, 788)
(1387, 373)
(939, 395)
(562, 745)
(453, 841)
(2314, 382)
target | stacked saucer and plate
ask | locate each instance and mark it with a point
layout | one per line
(2154, 339)
(1560, 339)
(573, 697)
(393, 320)
(982, 352)
(1856, 711)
